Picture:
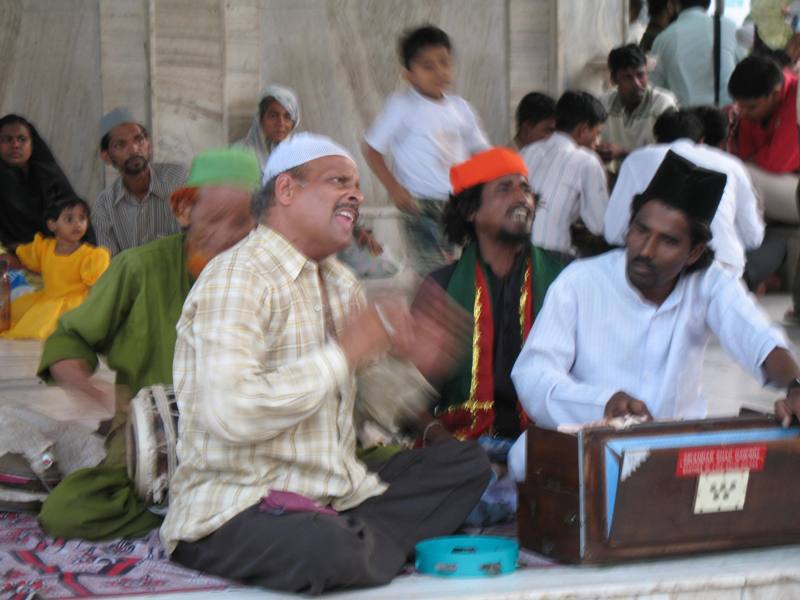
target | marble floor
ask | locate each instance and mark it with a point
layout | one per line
(727, 386)
(19, 385)
(754, 574)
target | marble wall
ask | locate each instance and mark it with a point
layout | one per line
(584, 39)
(192, 69)
(344, 71)
(50, 73)
(532, 39)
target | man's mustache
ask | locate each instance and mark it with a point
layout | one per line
(350, 205)
(645, 262)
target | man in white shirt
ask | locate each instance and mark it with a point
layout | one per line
(269, 490)
(633, 105)
(134, 209)
(625, 332)
(737, 225)
(427, 130)
(567, 176)
(684, 54)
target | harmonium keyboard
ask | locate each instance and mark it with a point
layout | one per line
(659, 489)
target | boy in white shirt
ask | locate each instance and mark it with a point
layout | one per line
(568, 177)
(426, 131)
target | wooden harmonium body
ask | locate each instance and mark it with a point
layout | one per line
(659, 489)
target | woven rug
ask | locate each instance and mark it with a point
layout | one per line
(33, 565)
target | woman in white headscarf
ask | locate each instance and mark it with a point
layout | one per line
(277, 118)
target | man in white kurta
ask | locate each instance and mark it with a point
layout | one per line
(633, 105)
(604, 344)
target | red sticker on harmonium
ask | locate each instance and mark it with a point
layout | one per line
(717, 459)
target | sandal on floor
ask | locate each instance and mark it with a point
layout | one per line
(791, 318)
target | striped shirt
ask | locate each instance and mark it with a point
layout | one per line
(122, 221)
(266, 400)
(570, 183)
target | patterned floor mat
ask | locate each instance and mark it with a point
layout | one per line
(33, 565)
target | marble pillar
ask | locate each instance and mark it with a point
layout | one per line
(532, 26)
(187, 58)
(586, 34)
(243, 57)
(559, 45)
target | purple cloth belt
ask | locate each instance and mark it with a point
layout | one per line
(280, 502)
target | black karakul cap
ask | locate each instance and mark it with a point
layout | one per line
(683, 185)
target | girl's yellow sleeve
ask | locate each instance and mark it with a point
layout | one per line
(94, 265)
(30, 254)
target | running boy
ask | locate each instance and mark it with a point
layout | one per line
(426, 130)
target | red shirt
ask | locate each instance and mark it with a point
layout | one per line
(774, 147)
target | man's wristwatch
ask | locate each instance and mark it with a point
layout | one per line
(793, 384)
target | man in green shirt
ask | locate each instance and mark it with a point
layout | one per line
(130, 318)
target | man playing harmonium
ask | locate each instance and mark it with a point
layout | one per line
(624, 333)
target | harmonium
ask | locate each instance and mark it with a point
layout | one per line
(659, 489)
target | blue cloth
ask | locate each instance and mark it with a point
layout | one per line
(684, 58)
(19, 283)
(499, 501)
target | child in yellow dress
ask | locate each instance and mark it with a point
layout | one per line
(68, 265)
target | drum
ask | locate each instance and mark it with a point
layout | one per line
(152, 437)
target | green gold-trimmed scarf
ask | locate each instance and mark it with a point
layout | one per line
(468, 411)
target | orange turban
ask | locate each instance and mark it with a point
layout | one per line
(485, 167)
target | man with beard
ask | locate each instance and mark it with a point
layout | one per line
(625, 333)
(129, 318)
(272, 343)
(501, 280)
(134, 209)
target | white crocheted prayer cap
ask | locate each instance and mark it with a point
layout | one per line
(298, 150)
(115, 117)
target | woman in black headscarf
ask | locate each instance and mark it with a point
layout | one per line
(30, 182)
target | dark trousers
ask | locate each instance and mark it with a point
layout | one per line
(431, 491)
(764, 260)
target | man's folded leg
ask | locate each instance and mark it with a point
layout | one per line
(431, 492)
(296, 552)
